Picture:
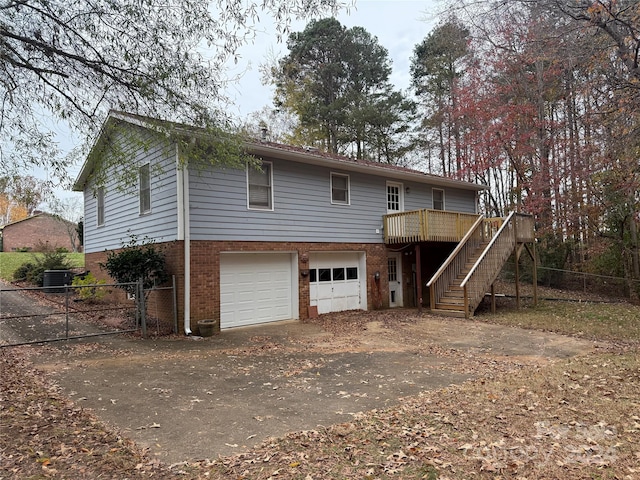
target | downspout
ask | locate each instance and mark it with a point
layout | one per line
(184, 234)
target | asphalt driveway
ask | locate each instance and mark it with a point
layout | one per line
(190, 398)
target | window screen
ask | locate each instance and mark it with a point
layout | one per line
(259, 186)
(339, 188)
(100, 206)
(144, 183)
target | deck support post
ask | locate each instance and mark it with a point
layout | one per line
(534, 273)
(493, 298)
(419, 277)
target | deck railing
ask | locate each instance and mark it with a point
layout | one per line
(427, 226)
(454, 264)
(500, 235)
(525, 228)
(515, 228)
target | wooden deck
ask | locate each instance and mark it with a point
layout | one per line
(441, 226)
(483, 246)
(427, 226)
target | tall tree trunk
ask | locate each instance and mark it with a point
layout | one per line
(635, 248)
(443, 160)
(544, 185)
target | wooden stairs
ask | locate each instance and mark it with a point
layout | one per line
(460, 284)
(451, 303)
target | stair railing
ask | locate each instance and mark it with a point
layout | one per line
(455, 262)
(488, 266)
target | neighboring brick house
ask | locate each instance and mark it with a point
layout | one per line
(308, 232)
(38, 231)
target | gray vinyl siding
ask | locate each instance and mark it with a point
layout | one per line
(420, 196)
(457, 200)
(122, 216)
(302, 206)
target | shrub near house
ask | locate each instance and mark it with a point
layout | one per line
(33, 271)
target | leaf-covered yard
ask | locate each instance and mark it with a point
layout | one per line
(573, 418)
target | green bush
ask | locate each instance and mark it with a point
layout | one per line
(33, 272)
(24, 271)
(134, 262)
(89, 291)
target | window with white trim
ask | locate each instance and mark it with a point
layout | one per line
(100, 206)
(333, 274)
(392, 267)
(340, 189)
(395, 201)
(438, 198)
(144, 188)
(260, 186)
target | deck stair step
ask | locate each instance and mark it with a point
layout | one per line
(448, 313)
(453, 294)
(449, 306)
(452, 301)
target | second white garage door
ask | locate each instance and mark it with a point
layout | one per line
(337, 281)
(257, 288)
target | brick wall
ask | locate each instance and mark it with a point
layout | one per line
(36, 230)
(205, 272)
(160, 303)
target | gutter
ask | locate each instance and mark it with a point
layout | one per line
(184, 234)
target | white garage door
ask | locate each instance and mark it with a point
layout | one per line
(256, 288)
(337, 281)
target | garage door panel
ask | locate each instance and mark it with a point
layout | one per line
(255, 288)
(334, 288)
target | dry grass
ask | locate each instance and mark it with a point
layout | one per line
(616, 322)
(572, 419)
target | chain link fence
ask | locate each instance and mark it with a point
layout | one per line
(568, 284)
(35, 315)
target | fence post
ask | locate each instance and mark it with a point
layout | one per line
(66, 312)
(141, 306)
(175, 305)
